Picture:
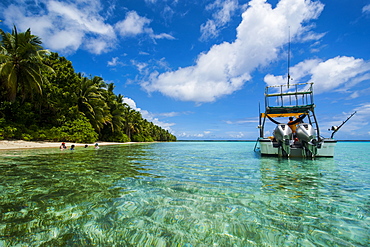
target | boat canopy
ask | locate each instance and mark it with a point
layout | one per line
(274, 115)
(288, 101)
(289, 109)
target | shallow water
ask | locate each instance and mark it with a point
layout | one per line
(184, 194)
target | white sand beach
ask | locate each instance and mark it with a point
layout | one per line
(19, 144)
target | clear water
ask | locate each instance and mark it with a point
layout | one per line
(184, 194)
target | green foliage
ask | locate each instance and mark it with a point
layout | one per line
(67, 106)
(79, 130)
(142, 138)
(21, 64)
(119, 136)
(6, 132)
(26, 137)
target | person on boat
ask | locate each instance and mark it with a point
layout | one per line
(63, 146)
(293, 124)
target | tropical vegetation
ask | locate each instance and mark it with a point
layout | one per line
(43, 98)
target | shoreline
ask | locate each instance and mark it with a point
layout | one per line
(20, 144)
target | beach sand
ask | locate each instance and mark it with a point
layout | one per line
(19, 144)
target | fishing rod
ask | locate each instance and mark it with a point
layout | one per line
(288, 56)
(336, 128)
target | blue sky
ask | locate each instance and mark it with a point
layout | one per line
(199, 68)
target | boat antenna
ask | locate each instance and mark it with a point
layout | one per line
(288, 55)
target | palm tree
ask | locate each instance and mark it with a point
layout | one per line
(117, 109)
(21, 64)
(132, 119)
(91, 102)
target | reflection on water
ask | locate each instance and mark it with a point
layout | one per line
(310, 199)
(181, 194)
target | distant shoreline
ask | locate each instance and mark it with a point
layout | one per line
(255, 140)
(20, 144)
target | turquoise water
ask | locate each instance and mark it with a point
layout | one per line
(184, 194)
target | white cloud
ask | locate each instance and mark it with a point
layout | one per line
(242, 121)
(173, 114)
(147, 115)
(151, 118)
(339, 73)
(220, 18)
(366, 9)
(363, 112)
(133, 25)
(70, 25)
(98, 45)
(141, 67)
(226, 67)
(203, 134)
(223, 16)
(237, 135)
(131, 103)
(161, 36)
(151, 1)
(354, 95)
(169, 114)
(64, 26)
(58, 41)
(208, 30)
(115, 62)
(87, 19)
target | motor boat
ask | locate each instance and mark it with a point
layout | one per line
(292, 101)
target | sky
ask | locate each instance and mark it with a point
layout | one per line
(199, 68)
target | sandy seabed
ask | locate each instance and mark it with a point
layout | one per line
(19, 144)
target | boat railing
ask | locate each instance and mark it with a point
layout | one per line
(294, 95)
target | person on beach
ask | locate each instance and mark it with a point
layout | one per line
(96, 146)
(72, 147)
(63, 146)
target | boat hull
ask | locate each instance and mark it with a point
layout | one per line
(325, 148)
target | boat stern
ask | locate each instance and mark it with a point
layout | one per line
(271, 147)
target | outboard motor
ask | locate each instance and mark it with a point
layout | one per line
(306, 134)
(283, 134)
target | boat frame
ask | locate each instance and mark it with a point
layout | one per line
(292, 101)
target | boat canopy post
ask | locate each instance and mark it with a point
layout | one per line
(262, 128)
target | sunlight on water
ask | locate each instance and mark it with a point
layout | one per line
(183, 194)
